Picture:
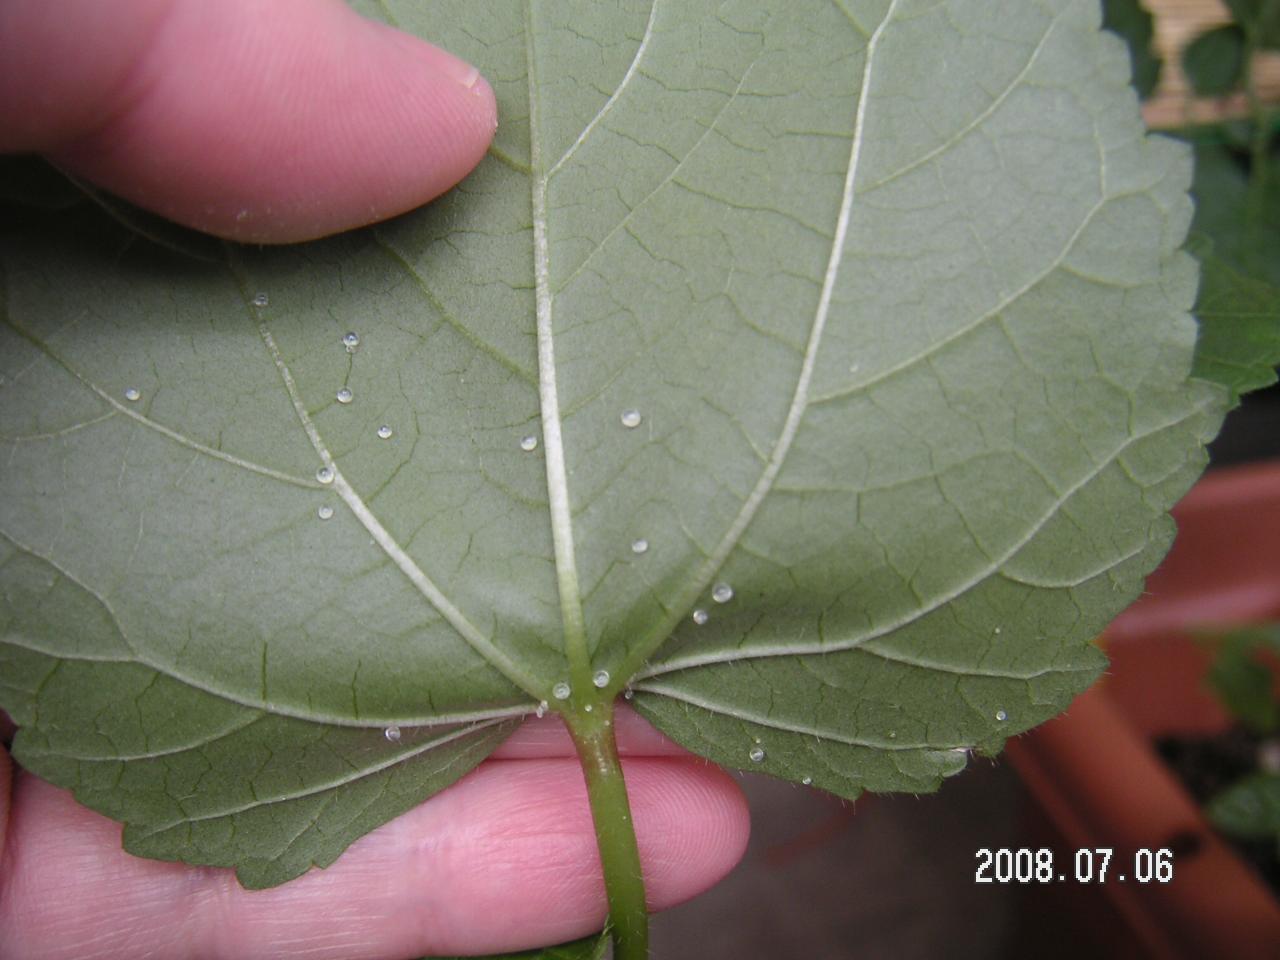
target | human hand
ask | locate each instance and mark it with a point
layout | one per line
(504, 859)
(273, 122)
(260, 122)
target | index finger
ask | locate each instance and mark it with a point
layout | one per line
(259, 122)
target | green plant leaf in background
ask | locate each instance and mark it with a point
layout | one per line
(1132, 21)
(1242, 682)
(1237, 240)
(1240, 325)
(1250, 808)
(1214, 61)
(1243, 226)
(1260, 16)
(818, 370)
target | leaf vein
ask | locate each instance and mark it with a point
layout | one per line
(737, 713)
(561, 512)
(626, 218)
(938, 345)
(613, 98)
(978, 120)
(389, 545)
(325, 786)
(118, 407)
(799, 402)
(987, 571)
(136, 658)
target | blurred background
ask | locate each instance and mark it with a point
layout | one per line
(894, 876)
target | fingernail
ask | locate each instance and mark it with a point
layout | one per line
(458, 69)
(444, 63)
(477, 84)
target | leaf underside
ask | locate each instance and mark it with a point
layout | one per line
(895, 289)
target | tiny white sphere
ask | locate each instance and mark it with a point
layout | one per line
(260, 300)
(529, 443)
(384, 432)
(392, 733)
(345, 395)
(640, 546)
(325, 474)
(756, 754)
(722, 593)
(561, 691)
(601, 679)
(132, 393)
(325, 512)
(700, 616)
(631, 419)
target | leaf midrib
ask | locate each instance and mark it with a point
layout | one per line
(571, 615)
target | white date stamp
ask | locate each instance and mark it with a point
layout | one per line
(1096, 865)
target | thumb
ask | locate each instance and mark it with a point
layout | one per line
(259, 121)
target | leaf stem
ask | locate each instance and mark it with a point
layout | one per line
(592, 734)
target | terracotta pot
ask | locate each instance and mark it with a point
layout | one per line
(1093, 770)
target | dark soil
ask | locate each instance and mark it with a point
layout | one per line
(1207, 766)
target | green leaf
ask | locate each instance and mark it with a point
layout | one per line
(893, 289)
(1240, 327)
(1250, 808)
(1132, 21)
(1238, 245)
(1242, 683)
(1260, 16)
(1243, 225)
(590, 948)
(1214, 61)
(195, 771)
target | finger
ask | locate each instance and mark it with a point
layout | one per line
(259, 121)
(6, 784)
(504, 859)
